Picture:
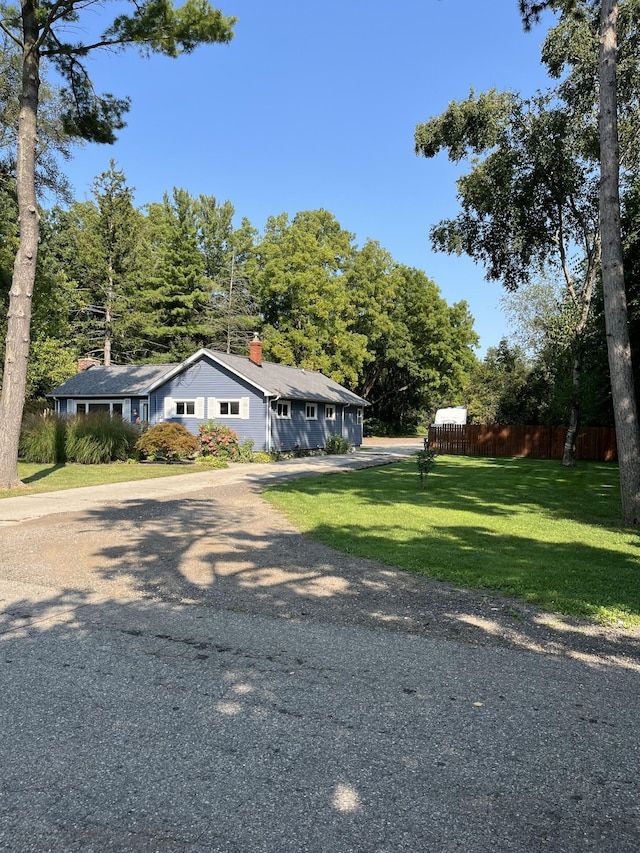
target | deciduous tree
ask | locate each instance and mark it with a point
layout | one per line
(41, 30)
(532, 196)
(610, 52)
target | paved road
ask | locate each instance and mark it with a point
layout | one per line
(133, 723)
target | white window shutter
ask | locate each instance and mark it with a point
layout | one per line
(126, 409)
(212, 411)
(169, 408)
(244, 408)
(200, 407)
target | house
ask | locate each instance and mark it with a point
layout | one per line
(278, 407)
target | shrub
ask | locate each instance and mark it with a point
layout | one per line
(245, 450)
(210, 462)
(425, 459)
(219, 440)
(99, 438)
(337, 444)
(261, 456)
(42, 438)
(167, 441)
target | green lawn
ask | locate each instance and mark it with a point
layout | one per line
(527, 528)
(52, 478)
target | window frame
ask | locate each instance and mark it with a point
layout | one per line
(283, 403)
(310, 417)
(220, 403)
(86, 404)
(185, 403)
(330, 412)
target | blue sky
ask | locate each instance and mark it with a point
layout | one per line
(314, 106)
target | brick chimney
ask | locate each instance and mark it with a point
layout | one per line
(86, 363)
(255, 350)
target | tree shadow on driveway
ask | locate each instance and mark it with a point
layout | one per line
(227, 549)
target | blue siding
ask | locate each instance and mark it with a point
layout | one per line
(205, 379)
(288, 433)
(352, 430)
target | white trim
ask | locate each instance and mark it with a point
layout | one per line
(72, 405)
(308, 405)
(198, 407)
(210, 355)
(286, 403)
(332, 416)
(228, 401)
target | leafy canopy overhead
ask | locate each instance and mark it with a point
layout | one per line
(155, 26)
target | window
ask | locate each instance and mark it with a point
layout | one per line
(229, 408)
(282, 409)
(311, 411)
(120, 408)
(359, 415)
(183, 408)
(330, 413)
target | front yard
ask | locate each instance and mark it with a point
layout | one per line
(526, 528)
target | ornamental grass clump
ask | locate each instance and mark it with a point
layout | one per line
(166, 442)
(98, 439)
(42, 438)
(220, 441)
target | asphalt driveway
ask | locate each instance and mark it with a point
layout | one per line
(181, 671)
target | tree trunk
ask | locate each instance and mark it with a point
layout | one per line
(569, 450)
(615, 303)
(14, 380)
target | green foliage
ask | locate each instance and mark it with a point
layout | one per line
(220, 441)
(177, 291)
(210, 462)
(309, 313)
(425, 460)
(42, 438)
(261, 456)
(96, 439)
(154, 26)
(245, 450)
(49, 366)
(336, 444)
(166, 441)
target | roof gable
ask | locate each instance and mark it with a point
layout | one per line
(272, 380)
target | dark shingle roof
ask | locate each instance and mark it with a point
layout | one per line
(275, 380)
(289, 382)
(114, 381)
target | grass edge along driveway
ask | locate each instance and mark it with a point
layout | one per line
(527, 528)
(39, 478)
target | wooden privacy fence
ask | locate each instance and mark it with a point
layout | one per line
(537, 442)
